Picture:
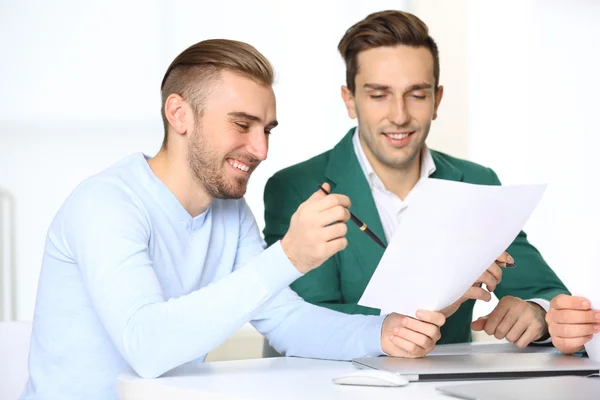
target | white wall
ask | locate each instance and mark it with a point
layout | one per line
(532, 102)
(80, 89)
(447, 22)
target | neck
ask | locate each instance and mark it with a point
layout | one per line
(174, 172)
(399, 181)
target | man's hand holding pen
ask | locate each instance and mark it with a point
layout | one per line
(314, 234)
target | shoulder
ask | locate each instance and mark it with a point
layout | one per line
(472, 172)
(302, 175)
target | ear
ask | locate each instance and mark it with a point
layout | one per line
(348, 98)
(178, 113)
(438, 99)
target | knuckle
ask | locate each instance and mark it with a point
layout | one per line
(565, 330)
(442, 319)
(343, 243)
(500, 332)
(413, 348)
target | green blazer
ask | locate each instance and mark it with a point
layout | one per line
(339, 283)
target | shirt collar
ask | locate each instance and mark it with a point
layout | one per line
(427, 163)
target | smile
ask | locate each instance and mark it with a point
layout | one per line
(238, 164)
(397, 136)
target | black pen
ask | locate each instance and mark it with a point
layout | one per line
(361, 225)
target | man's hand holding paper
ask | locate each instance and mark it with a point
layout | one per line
(491, 278)
(449, 231)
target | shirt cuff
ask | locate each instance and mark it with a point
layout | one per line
(275, 269)
(374, 348)
(545, 304)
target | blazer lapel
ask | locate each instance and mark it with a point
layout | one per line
(445, 170)
(347, 177)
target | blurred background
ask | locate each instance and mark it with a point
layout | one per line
(79, 90)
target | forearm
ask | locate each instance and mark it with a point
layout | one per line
(297, 328)
(349, 308)
(162, 335)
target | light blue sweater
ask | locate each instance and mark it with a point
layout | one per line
(130, 280)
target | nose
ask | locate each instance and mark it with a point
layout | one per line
(398, 112)
(259, 144)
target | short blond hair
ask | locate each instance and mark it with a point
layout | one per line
(191, 72)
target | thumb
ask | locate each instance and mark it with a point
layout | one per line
(505, 258)
(479, 323)
(323, 190)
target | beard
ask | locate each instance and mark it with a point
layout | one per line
(207, 169)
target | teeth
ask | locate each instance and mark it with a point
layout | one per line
(397, 136)
(239, 166)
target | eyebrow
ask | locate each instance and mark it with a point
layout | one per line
(252, 118)
(417, 86)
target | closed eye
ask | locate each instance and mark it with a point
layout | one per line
(242, 126)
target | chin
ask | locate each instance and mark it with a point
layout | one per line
(235, 191)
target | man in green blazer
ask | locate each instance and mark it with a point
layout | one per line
(392, 88)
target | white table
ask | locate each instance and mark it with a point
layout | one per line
(287, 378)
(267, 378)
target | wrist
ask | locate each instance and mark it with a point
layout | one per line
(287, 249)
(541, 314)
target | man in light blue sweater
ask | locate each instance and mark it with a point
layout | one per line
(154, 262)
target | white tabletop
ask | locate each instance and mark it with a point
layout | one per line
(267, 378)
(287, 378)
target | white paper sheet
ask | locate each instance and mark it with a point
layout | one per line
(450, 233)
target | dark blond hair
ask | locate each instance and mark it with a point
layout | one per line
(385, 28)
(191, 72)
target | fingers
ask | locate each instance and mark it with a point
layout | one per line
(522, 331)
(491, 322)
(477, 293)
(569, 316)
(495, 271)
(314, 234)
(432, 317)
(563, 301)
(573, 330)
(333, 214)
(515, 320)
(505, 258)
(496, 317)
(327, 200)
(490, 280)
(421, 343)
(410, 349)
(510, 325)
(334, 231)
(414, 325)
(418, 337)
(570, 345)
(334, 246)
(531, 333)
(479, 324)
(323, 190)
